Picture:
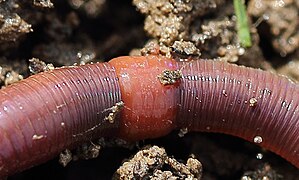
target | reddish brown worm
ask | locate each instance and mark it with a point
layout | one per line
(51, 111)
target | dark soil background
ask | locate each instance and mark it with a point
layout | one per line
(72, 32)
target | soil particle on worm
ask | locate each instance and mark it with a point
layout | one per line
(253, 102)
(114, 110)
(168, 77)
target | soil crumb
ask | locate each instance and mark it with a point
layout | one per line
(153, 163)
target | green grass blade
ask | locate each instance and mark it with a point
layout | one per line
(242, 23)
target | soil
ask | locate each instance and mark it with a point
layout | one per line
(39, 35)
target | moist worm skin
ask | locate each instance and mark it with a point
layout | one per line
(215, 97)
(49, 112)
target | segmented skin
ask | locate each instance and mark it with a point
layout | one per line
(51, 111)
(216, 97)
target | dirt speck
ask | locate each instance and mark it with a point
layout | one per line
(168, 77)
(253, 102)
(43, 3)
(183, 132)
(8, 76)
(87, 151)
(224, 93)
(151, 47)
(84, 151)
(114, 110)
(37, 66)
(37, 137)
(65, 157)
(185, 48)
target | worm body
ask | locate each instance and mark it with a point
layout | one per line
(249, 103)
(49, 112)
(52, 111)
(150, 107)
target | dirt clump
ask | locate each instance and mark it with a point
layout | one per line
(150, 162)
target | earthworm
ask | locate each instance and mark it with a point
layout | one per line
(142, 97)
